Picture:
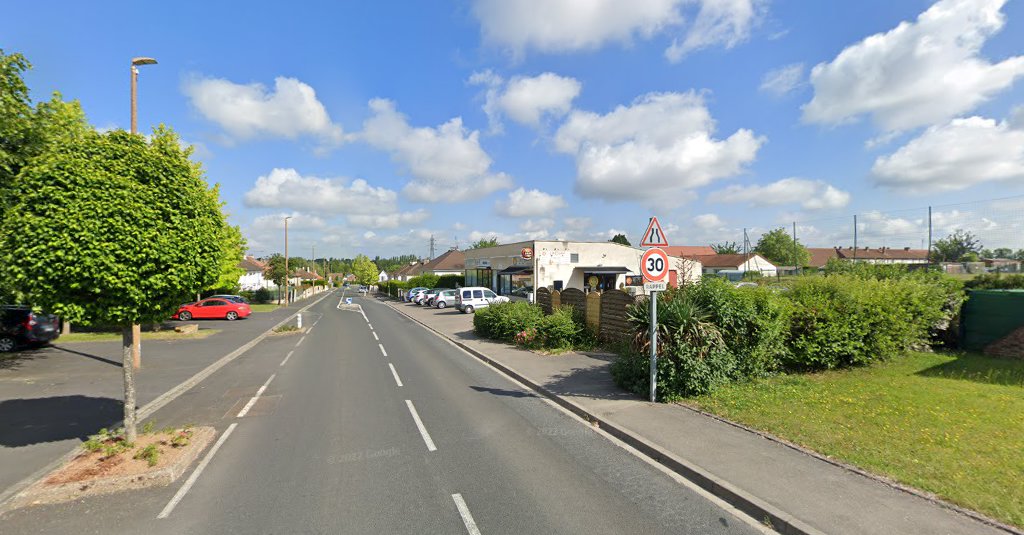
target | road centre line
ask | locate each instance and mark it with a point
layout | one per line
(381, 346)
(195, 474)
(299, 343)
(467, 517)
(371, 326)
(375, 337)
(395, 373)
(245, 410)
(419, 425)
(288, 356)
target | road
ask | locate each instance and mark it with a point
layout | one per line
(376, 425)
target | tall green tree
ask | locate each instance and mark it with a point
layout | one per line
(728, 247)
(112, 229)
(621, 238)
(954, 247)
(232, 249)
(483, 243)
(19, 134)
(365, 270)
(780, 249)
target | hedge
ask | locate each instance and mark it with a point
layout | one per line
(525, 324)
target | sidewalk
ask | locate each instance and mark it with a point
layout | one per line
(799, 492)
(54, 397)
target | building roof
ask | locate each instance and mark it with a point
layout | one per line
(688, 250)
(453, 260)
(308, 275)
(821, 255)
(406, 269)
(727, 260)
(884, 253)
(251, 264)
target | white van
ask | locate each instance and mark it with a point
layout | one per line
(471, 298)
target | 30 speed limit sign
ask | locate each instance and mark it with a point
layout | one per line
(654, 265)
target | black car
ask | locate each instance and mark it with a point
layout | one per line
(20, 326)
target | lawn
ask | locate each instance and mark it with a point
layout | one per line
(263, 307)
(155, 335)
(949, 424)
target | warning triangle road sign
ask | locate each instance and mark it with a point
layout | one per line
(654, 236)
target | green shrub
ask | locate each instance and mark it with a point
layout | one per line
(560, 329)
(450, 281)
(996, 281)
(261, 295)
(427, 280)
(503, 321)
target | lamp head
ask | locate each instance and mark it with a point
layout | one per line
(143, 61)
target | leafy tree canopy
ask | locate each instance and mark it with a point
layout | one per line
(232, 248)
(729, 247)
(483, 243)
(956, 246)
(275, 269)
(365, 270)
(111, 228)
(780, 249)
(620, 238)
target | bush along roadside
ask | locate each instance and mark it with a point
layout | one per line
(525, 325)
(711, 333)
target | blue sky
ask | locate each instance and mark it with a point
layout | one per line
(377, 124)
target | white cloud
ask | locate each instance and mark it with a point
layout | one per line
(531, 225)
(783, 80)
(369, 235)
(299, 221)
(955, 156)
(918, 73)
(526, 100)
(246, 111)
(810, 194)
(719, 22)
(458, 225)
(572, 25)
(286, 188)
(708, 222)
(390, 221)
(875, 223)
(656, 149)
(576, 224)
(529, 203)
(447, 162)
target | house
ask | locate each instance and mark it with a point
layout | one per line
(405, 273)
(715, 263)
(382, 276)
(559, 265)
(685, 251)
(882, 255)
(304, 276)
(453, 262)
(1003, 265)
(254, 277)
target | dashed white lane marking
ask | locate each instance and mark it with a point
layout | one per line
(375, 337)
(381, 346)
(245, 409)
(288, 356)
(363, 312)
(195, 474)
(467, 517)
(299, 343)
(395, 373)
(419, 425)
(371, 326)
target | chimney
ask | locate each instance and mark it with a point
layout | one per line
(906, 248)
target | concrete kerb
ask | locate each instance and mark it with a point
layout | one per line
(752, 506)
(150, 408)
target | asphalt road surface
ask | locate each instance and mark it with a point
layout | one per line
(375, 425)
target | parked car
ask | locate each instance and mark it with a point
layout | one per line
(234, 298)
(523, 293)
(212, 309)
(364, 289)
(19, 326)
(430, 295)
(412, 293)
(445, 298)
(472, 298)
(418, 296)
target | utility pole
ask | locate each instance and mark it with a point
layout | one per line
(929, 255)
(136, 328)
(431, 246)
(854, 237)
(286, 260)
(312, 257)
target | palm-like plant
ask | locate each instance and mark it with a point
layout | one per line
(681, 321)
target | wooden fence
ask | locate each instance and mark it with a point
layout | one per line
(605, 313)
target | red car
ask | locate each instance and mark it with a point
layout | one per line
(212, 309)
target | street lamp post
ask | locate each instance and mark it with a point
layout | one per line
(286, 300)
(136, 329)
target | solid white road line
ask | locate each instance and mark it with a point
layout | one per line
(288, 356)
(245, 410)
(467, 517)
(371, 326)
(375, 337)
(363, 312)
(381, 346)
(395, 373)
(299, 343)
(419, 425)
(195, 474)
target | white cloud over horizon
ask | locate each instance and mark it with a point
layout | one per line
(809, 194)
(529, 203)
(286, 188)
(784, 80)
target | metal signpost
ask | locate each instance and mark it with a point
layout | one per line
(654, 267)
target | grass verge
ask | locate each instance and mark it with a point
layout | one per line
(157, 335)
(264, 307)
(947, 424)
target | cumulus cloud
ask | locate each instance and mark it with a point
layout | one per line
(526, 100)
(658, 149)
(529, 203)
(954, 156)
(572, 25)
(299, 221)
(809, 194)
(286, 188)
(576, 224)
(291, 109)
(783, 80)
(719, 22)
(389, 221)
(707, 222)
(918, 73)
(447, 163)
(536, 225)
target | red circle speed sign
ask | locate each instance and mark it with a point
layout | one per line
(654, 265)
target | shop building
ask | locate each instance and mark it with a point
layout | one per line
(558, 265)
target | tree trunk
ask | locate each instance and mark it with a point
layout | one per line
(136, 346)
(65, 328)
(129, 383)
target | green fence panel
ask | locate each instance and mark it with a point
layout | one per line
(990, 315)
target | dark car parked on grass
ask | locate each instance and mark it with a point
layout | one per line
(20, 326)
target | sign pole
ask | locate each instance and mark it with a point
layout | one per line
(654, 346)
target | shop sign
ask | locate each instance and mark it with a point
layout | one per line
(526, 253)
